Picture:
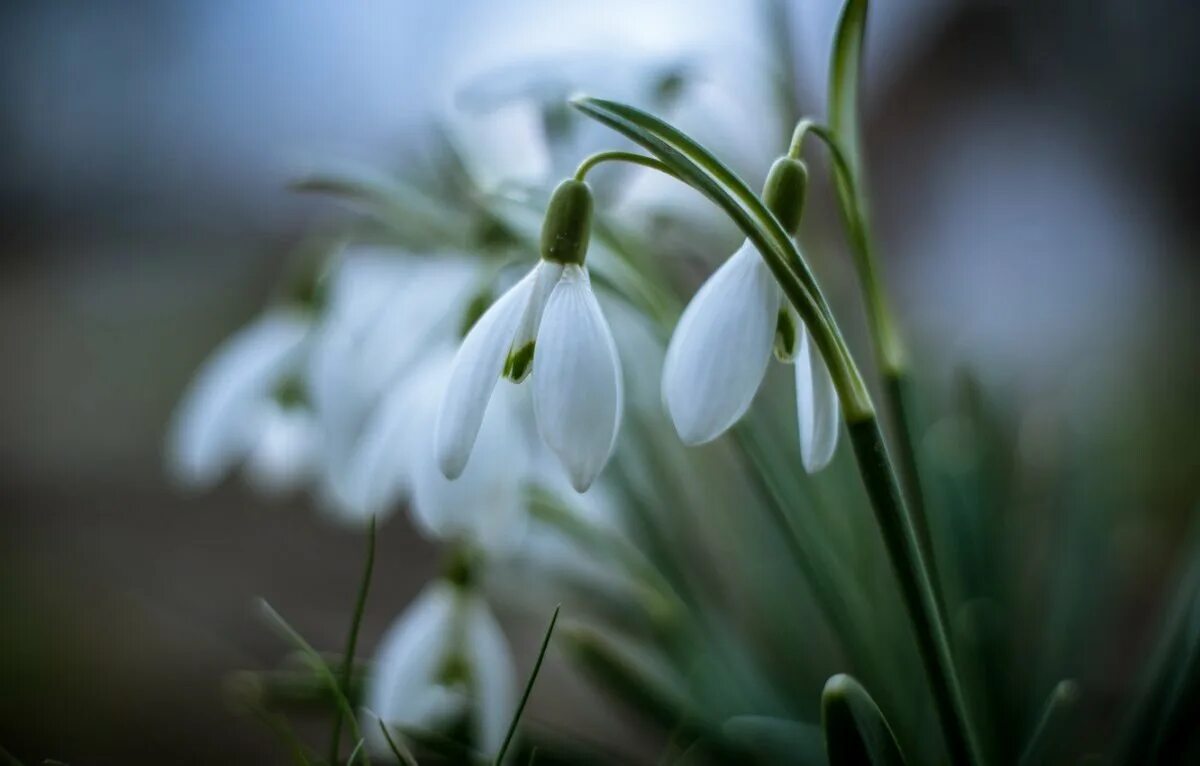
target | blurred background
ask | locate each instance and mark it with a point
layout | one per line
(1035, 177)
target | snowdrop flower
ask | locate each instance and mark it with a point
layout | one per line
(386, 311)
(577, 386)
(719, 352)
(443, 662)
(395, 458)
(248, 405)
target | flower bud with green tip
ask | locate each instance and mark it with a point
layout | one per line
(578, 391)
(719, 353)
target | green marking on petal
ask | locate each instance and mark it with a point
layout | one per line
(785, 336)
(290, 392)
(519, 363)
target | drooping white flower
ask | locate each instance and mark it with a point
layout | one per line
(445, 660)
(246, 405)
(395, 459)
(719, 352)
(387, 313)
(550, 324)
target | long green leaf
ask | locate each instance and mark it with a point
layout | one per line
(856, 731)
(512, 726)
(844, 68)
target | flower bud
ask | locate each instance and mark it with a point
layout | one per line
(783, 193)
(568, 223)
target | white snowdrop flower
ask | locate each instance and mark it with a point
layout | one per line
(395, 459)
(231, 410)
(719, 352)
(445, 660)
(550, 324)
(386, 311)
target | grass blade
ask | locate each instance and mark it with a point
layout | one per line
(856, 731)
(512, 726)
(1047, 737)
(318, 664)
(402, 753)
(347, 671)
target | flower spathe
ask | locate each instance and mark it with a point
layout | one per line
(720, 350)
(443, 661)
(548, 324)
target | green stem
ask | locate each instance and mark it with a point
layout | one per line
(912, 576)
(619, 156)
(346, 676)
(896, 396)
(885, 338)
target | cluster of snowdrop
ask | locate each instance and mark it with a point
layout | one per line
(396, 380)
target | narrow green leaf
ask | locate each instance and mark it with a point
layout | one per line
(402, 753)
(391, 202)
(844, 76)
(855, 730)
(318, 664)
(512, 726)
(347, 671)
(1047, 738)
(354, 753)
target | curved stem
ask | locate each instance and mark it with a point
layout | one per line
(619, 156)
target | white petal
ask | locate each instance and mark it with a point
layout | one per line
(548, 275)
(477, 367)
(409, 657)
(817, 408)
(208, 429)
(577, 387)
(494, 676)
(719, 352)
(380, 468)
(485, 504)
(284, 447)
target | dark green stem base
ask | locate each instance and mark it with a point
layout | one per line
(916, 587)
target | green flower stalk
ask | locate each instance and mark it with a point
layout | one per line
(696, 166)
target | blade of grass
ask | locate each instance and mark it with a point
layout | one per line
(1047, 737)
(347, 671)
(512, 726)
(856, 731)
(354, 753)
(402, 753)
(319, 665)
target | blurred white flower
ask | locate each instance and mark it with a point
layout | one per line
(577, 386)
(395, 459)
(445, 660)
(719, 352)
(247, 405)
(514, 124)
(387, 312)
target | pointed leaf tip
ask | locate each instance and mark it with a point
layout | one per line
(856, 732)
